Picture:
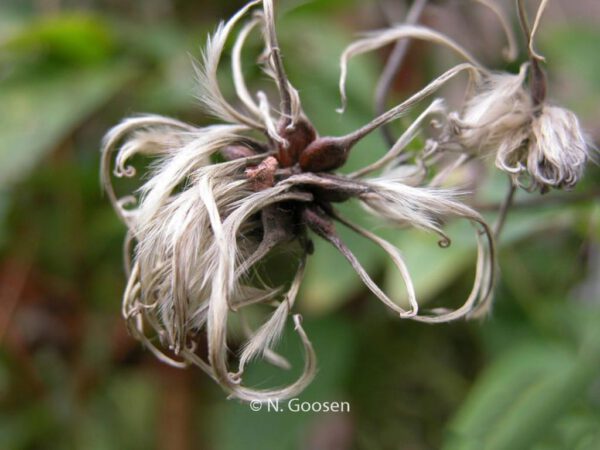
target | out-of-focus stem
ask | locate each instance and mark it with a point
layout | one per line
(504, 208)
(392, 67)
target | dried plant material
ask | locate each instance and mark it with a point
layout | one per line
(211, 95)
(378, 39)
(436, 107)
(536, 24)
(197, 229)
(498, 106)
(558, 149)
(540, 146)
(236, 67)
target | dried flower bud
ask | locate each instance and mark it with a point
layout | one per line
(558, 149)
(298, 137)
(502, 118)
(323, 155)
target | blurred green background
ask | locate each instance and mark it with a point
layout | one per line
(528, 377)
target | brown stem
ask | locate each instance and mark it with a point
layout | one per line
(393, 66)
(537, 81)
(504, 208)
(176, 429)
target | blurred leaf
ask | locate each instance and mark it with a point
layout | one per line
(10, 23)
(37, 113)
(236, 426)
(574, 66)
(66, 39)
(170, 87)
(121, 414)
(407, 379)
(575, 48)
(519, 397)
(321, 6)
(434, 268)
(578, 430)
(22, 429)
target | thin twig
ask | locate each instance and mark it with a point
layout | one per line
(542, 201)
(393, 66)
(504, 208)
(391, 11)
(11, 294)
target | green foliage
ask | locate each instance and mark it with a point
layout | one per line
(38, 112)
(518, 400)
(69, 39)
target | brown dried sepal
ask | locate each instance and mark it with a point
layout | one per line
(263, 175)
(538, 85)
(324, 154)
(233, 152)
(299, 137)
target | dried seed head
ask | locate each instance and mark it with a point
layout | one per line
(499, 106)
(527, 137)
(198, 229)
(558, 149)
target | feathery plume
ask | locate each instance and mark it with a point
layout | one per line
(541, 146)
(199, 230)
